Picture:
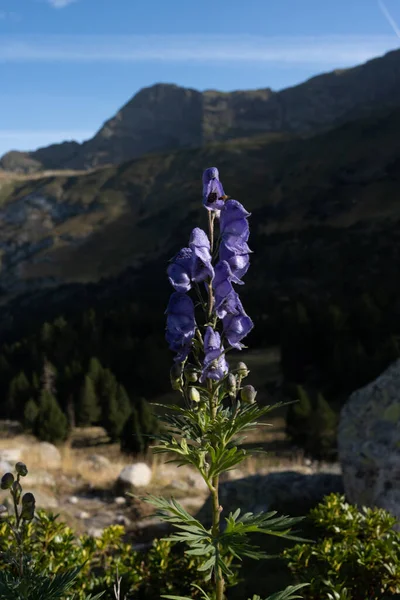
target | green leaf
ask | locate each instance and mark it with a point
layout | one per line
(289, 593)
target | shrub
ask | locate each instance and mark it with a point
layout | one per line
(356, 556)
(40, 554)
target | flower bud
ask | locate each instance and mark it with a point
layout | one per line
(176, 376)
(231, 384)
(6, 481)
(191, 374)
(28, 499)
(242, 370)
(194, 394)
(176, 371)
(21, 469)
(248, 394)
(16, 491)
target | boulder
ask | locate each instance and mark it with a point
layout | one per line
(96, 462)
(12, 455)
(369, 443)
(40, 477)
(49, 455)
(288, 492)
(133, 476)
(5, 467)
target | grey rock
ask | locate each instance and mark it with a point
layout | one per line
(95, 532)
(11, 455)
(83, 514)
(120, 500)
(369, 443)
(134, 476)
(286, 491)
(97, 462)
(49, 455)
(5, 467)
(40, 477)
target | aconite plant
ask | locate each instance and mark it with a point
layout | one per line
(205, 320)
(23, 579)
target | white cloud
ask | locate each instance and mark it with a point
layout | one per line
(323, 51)
(60, 3)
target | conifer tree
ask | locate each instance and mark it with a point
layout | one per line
(18, 394)
(51, 424)
(140, 429)
(95, 370)
(124, 404)
(30, 414)
(88, 408)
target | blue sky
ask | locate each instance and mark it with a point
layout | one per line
(68, 65)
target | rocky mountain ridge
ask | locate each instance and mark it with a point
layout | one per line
(310, 208)
(164, 117)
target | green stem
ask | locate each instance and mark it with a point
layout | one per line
(215, 506)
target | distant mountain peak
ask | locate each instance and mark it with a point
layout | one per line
(165, 116)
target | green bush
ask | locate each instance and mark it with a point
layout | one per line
(356, 556)
(53, 549)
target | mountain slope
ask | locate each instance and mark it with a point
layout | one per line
(338, 185)
(167, 117)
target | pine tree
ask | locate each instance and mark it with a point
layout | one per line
(51, 424)
(49, 375)
(140, 429)
(31, 412)
(95, 370)
(89, 411)
(18, 394)
(110, 419)
(124, 404)
(132, 439)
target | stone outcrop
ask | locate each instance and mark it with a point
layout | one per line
(286, 492)
(167, 117)
(369, 443)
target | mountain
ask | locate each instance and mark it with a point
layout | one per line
(164, 117)
(312, 200)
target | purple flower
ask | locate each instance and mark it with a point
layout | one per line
(233, 220)
(236, 324)
(235, 251)
(235, 233)
(181, 325)
(215, 366)
(225, 296)
(213, 192)
(179, 271)
(201, 267)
